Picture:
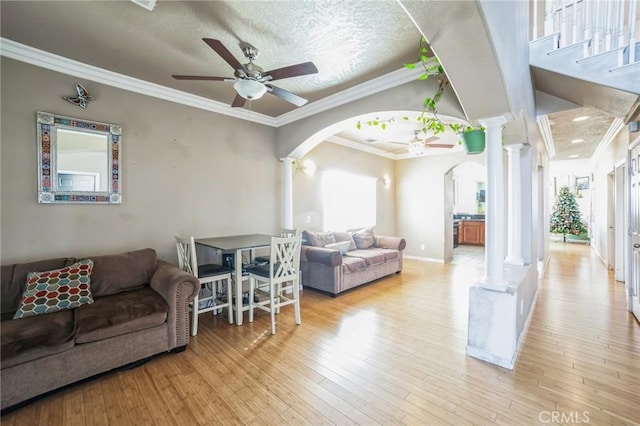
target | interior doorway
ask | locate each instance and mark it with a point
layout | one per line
(633, 274)
(619, 221)
(465, 213)
(611, 231)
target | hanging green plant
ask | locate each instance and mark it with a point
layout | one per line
(428, 119)
(473, 140)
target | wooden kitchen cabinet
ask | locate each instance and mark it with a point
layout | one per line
(471, 232)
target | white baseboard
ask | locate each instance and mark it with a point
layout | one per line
(424, 259)
(602, 259)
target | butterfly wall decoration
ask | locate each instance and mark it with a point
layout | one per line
(82, 99)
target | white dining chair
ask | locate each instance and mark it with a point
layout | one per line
(284, 232)
(210, 276)
(270, 282)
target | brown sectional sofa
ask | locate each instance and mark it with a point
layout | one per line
(140, 308)
(326, 269)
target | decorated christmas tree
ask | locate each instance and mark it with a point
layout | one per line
(565, 218)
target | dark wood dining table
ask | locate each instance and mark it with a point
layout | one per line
(237, 244)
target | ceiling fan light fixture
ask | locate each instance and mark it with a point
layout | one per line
(416, 148)
(250, 89)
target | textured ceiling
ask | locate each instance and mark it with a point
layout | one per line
(350, 42)
(578, 139)
(401, 128)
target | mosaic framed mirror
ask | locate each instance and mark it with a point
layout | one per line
(79, 161)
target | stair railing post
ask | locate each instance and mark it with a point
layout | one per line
(563, 25)
(632, 31)
(574, 23)
(549, 22)
(609, 26)
(597, 29)
(587, 15)
(534, 30)
(620, 32)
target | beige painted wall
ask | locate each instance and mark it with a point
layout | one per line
(420, 202)
(615, 153)
(185, 171)
(328, 156)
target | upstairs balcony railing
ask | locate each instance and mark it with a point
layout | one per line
(600, 26)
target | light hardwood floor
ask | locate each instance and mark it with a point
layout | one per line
(388, 353)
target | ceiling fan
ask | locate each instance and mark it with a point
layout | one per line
(250, 79)
(418, 146)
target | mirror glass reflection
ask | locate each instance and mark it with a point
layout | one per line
(82, 160)
(78, 160)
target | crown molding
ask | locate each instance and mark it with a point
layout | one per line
(547, 136)
(611, 133)
(40, 58)
(43, 59)
(378, 84)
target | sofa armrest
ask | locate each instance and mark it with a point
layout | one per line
(394, 243)
(178, 288)
(321, 255)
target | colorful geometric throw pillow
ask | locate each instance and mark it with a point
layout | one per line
(51, 291)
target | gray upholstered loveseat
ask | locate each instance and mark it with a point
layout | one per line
(140, 308)
(329, 270)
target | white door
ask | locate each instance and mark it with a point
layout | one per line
(634, 228)
(620, 226)
(611, 232)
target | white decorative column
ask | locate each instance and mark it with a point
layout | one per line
(514, 212)
(287, 192)
(495, 206)
(500, 304)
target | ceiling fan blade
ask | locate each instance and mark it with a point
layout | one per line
(238, 101)
(292, 71)
(439, 145)
(223, 52)
(431, 139)
(286, 95)
(201, 77)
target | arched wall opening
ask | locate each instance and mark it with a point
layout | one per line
(317, 151)
(464, 210)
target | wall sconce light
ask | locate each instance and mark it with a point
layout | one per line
(386, 180)
(308, 167)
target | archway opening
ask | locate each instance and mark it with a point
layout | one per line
(465, 188)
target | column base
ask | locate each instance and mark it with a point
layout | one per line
(494, 285)
(514, 261)
(483, 355)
